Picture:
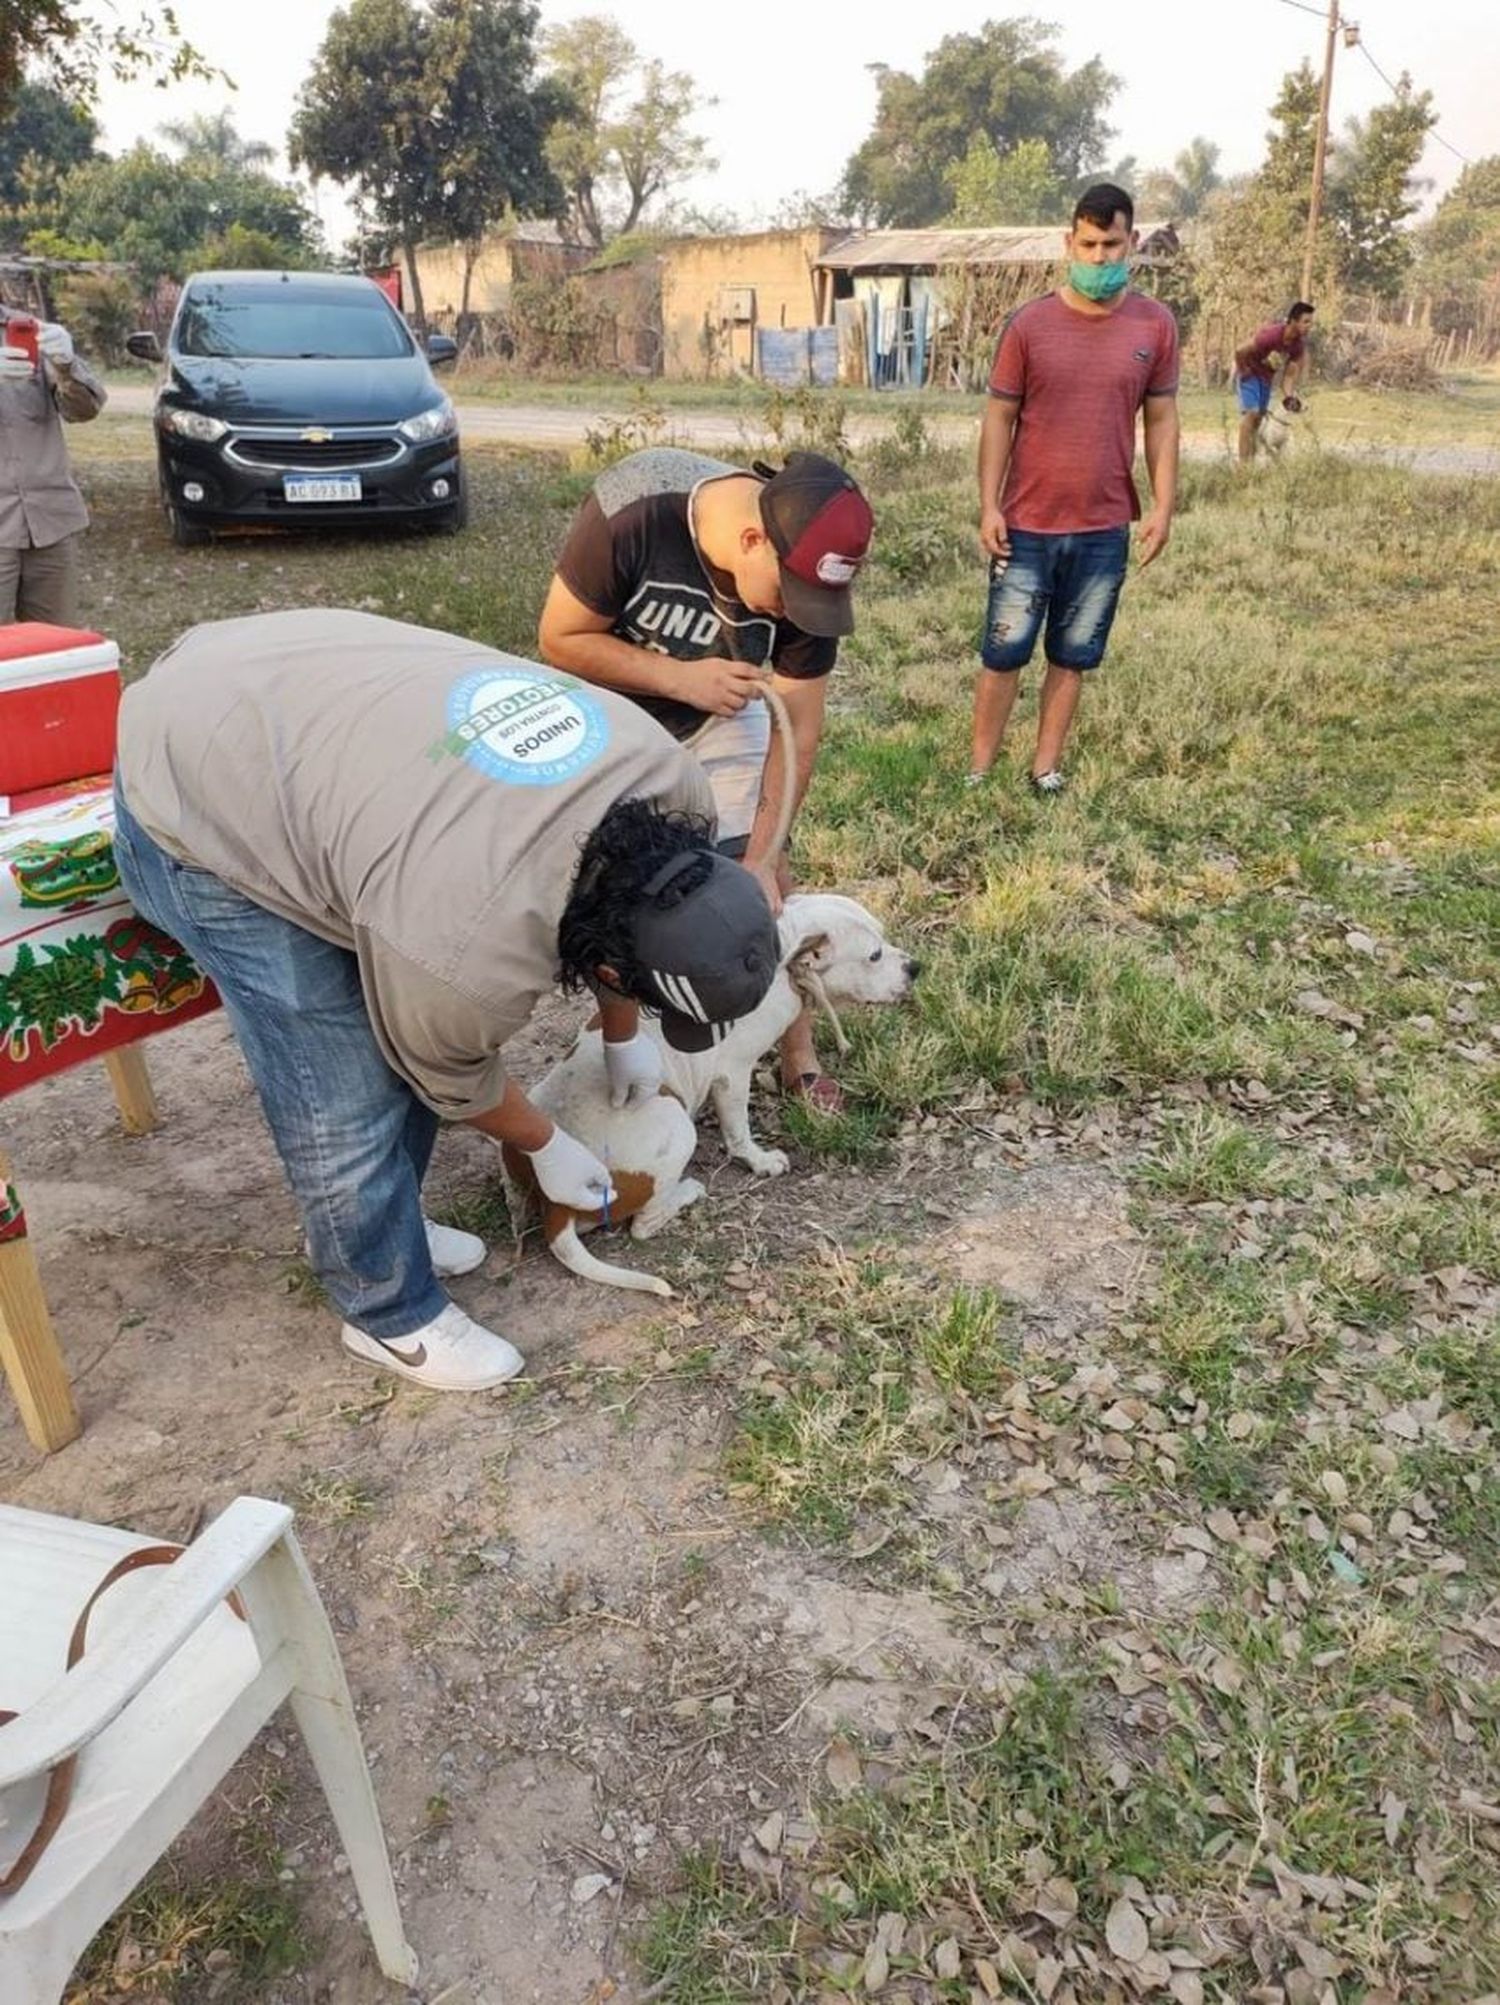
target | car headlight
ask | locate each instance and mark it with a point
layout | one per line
(434, 423)
(193, 425)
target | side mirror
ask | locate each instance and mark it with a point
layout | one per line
(442, 350)
(144, 347)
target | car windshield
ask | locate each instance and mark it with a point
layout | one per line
(285, 322)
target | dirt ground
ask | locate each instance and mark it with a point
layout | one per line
(574, 1656)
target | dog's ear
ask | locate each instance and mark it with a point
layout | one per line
(812, 953)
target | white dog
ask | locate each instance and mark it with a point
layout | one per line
(832, 951)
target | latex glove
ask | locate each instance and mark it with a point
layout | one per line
(572, 1175)
(56, 344)
(635, 1070)
(15, 364)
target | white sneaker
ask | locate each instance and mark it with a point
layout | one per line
(454, 1252)
(451, 1353)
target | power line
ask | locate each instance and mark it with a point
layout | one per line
(1395, 91)
(1317, 13)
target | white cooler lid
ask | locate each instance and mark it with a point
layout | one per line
(27, 670)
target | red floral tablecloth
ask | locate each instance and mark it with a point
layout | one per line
(81, 972)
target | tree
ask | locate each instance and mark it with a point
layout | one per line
(1005, 83)
(67, 45)
(803, 210)
(42, 135)
(1016, 187)
(495, 121)
(1372, 191)
(215, 139)
(145, 209)
(1179, 192)
(628, 136)
(1292, 141)
(432, 115)
(1256, 233)
(1458, 252)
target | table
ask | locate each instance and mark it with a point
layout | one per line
(82, 976)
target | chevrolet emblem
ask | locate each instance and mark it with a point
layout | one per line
(316, 436)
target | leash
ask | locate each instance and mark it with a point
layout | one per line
(806, 981)
(60, 1779)
(782, 724)
(809, 985)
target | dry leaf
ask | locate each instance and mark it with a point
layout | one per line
(842, 1768)
(1126, 1933)
(877, 1967)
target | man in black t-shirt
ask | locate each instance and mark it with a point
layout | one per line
(687, 583)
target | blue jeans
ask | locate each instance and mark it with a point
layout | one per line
(353, 1138)
(1073, 581)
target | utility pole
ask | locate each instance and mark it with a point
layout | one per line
(1320, 149)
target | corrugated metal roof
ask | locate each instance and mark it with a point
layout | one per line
(867, 249)
(905, 250)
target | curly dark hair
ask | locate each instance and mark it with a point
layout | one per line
(619, 859)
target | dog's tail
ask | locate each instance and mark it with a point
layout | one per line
(575, 1256)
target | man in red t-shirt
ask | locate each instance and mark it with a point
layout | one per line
(1255, 370)
(1056, 475)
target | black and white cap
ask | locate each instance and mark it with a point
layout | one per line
(711, 953)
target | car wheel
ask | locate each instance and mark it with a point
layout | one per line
(183, 530)
(455, 518)
(185, 533)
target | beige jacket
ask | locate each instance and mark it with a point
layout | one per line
(39, 498)
(416, 798)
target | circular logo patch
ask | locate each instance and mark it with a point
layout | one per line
(530, 729)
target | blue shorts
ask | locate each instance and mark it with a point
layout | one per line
(1255, 394)
(1071, 581)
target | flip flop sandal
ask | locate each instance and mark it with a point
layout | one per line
(816, 1090)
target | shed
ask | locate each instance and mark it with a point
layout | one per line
(519, 250)
(718, 294)
(911, 304)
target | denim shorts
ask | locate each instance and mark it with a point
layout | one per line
(1072, 582)
(1255, 395)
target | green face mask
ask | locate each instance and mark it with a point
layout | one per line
(1099, 281)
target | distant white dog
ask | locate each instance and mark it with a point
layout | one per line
(833, 951)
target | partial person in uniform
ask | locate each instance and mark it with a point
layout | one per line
(686, 584)
(42, 513)
(385, 844)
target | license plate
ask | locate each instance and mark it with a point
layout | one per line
(321, 487)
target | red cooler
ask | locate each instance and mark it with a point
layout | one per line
(59, 695)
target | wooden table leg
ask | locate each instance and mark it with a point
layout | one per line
(132, 1084)
(28, 1344)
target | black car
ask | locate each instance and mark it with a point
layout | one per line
(300, 398)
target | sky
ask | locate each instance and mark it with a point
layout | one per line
(794, 94)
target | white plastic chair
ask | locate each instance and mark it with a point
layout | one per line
(174, 1685)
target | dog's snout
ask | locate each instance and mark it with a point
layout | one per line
(913, 968)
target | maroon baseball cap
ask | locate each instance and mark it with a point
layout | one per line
(820, 525)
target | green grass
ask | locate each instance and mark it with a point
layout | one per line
(1260, 933)
(176, 1938)
(869, 1374)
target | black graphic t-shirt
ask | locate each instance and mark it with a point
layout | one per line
(631, 558)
